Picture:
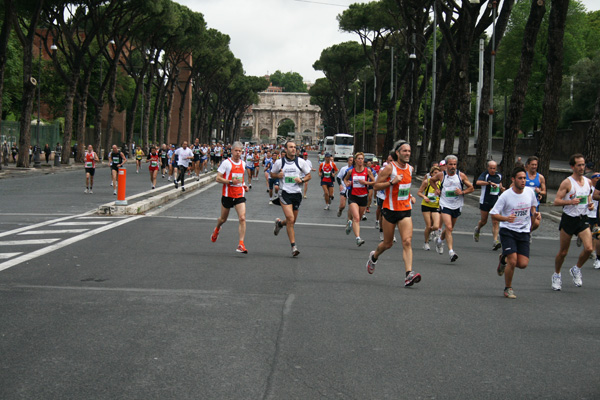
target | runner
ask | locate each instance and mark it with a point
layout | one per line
(91, 158)
(164, 159)
(256, 163)
(288, 169)
(231, 175)
(596, 232)
(117, 159)
(197, 150)
(369, 166)
(392, 156)
(491, 187)
(153, 159)
(396, 178)
(343, 189)
(267, 164)
(574, 196)
(183, 154)
(514, 211)
(139, 153)
(360, 177)
(272, 183)
(218, 154)
(535, 180)
(305, 157)
(452, 189)
(250, 166)
(327, 171)
(430, 207)
(204, 157)
(172, 163)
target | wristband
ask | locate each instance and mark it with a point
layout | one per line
(231, 182)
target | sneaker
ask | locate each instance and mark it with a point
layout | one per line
(326, 207)
(305, 196)
(168, 179)
(556, 281)
(596, 233)
(249, 186)
(115, 192)
(501, 265)
(394, 238)
(439, 247)
(453, 256)
(278, 227)
(90, 192)
(377, 224)
(509, 293)
(111, 184)
(476, 234)
(339, 213)
(153, 187)
(426, 247)
(86, 191)
(215, 234)
(368, 210)
(348, 227)
(576, 274)
(578, 242)
(370, 263)
(412, 278)
(295, 251)
(176, 184)
(183, 188)
(359, 241)
(431, 236)
(496, 245)
(381, 236)
(241, 249)
(364, 217)
(593, 255)
(270, 202)
(597, 264)
(163, 175)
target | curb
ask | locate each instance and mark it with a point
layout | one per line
(147, 204)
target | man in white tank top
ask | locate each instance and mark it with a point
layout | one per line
(455, 185)
(574, 196)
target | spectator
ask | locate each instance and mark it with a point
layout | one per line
(47, 152)
(14, 150)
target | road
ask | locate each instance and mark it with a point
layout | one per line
(148, 307)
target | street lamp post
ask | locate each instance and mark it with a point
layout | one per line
(492, 66)
(36, 155)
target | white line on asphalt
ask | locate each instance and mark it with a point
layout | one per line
(157, 210)
(99, 217)
(28, 242)
(28, 227)
(330, 225)
(74, 239)
(34, 214)
(4, 256)
(75, 223)
(52, 232)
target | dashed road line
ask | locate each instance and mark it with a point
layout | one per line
(27, 242)
(52, 232)
(76, 223)
(4, 256)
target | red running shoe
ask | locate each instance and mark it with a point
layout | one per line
(215, 234)
(241, 249)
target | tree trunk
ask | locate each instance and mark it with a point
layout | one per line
(464, 99)
(82, 107)
(517, 99)
(112, 105)
(131, 113)
(4, 37)
(182, 104)
(451, 117)
(27, 108)
(146, 110)
(68, 134)
(169, 110)
(550, 114)
(372, 144)
(592, 151)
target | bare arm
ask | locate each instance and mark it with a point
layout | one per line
(467, 183)
(565, 187)
(383, 181)
(542, 191)
(434, 182)
(421, 192)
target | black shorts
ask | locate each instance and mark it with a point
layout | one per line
(425, 209)
(514, 242)
(573, 225)
(90, 171)
(593, 221)
(294, 199)
(114, 167)
(393, 217)
(328, 184)
(379, 202)
(487, 206)
(218, 159)
(361, 201)
(164, 162)
(450, 212)
(196, 157)
(230, 202)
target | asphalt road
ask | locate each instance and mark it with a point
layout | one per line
(149, 308)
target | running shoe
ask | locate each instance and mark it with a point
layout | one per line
(370, 263)
(304, 195)
(578, 242)
(501, 265)
(267, 190)
(364, 217)
(439, 247)
(90, 192)
(381, 236)
(453, 256)
(394, 238)
(241, 249)
(597, 264)
(111, 184)
(576, 274)
(359, 241)
(153, 187)
(496, 245)
(368, 210)
(163, 175)
(168, 179)
(86, 191)
(339, 213)
(326, 207)
(431, 236)
(426, 247)
(596, 233)
(509, 293)
(215, 234)
(278, 227)
(377, 224)
(476, 234)
(348, 227)
(295, 251)
(183, 188)
(249, 186)
(115, 192)
(412, 278)
(270, 202)
(556, 281)
(176, 184)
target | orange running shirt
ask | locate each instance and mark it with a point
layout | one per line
(397, 197)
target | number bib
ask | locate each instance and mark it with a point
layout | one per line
(583, 199)
(495, 190)
(290, 179)
(237, 177)
(115, 160)
(403, 191)
(153, 164)
(355, 182)
(89, 164)
(451, 193)
(326, 174)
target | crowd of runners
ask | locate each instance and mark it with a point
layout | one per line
(514, 210)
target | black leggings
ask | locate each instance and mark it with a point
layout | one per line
(181, 174)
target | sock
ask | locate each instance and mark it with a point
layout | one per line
(280, 224)
(293, 244)
(506, 287)
(407, 272)
(373, 258)
(241, 243)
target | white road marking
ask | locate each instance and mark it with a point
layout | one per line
(27, 242)
(75, 223)
(4, 256)
(56, 246)
(46, 223)
(52, 232)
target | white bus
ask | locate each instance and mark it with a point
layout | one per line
(328, 145)
(343, 146)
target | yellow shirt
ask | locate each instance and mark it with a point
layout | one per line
(430, 192)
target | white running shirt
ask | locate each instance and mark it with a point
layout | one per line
(182, 155)
(510, 203)
(290, 171)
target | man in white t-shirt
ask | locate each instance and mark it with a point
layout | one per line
(292, 172)
(184, 155)
(515, 211)
(305, 158)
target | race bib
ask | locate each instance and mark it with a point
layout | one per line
(154, 164)
(403, 192)
(236, 176)
(89, 164)
(583, 199)
(326, 174)
(355, 182)
(290, 179)
(115, 160)
(451, 193)
(432, 197)
(495, 190)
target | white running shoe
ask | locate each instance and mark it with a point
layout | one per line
(556, 281)
(115, 192)
(597, 264)
(381, 236)
(431, 236)
(359, 241)
(364, 217)
(453, 256)
(426, 247)
(576, 274)
(394, 238)
(476, 234)
(90, 192)
(348, 227)
(370, 263)
(326, 207)
(339, 213)
(439, 246)
(85, 191)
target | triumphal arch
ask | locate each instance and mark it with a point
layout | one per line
(275, 107)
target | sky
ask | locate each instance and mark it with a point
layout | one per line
(285, 35)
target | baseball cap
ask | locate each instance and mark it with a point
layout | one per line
(304, 154)
(442, 163)
(327, 154)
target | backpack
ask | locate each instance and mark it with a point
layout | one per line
(462, 186)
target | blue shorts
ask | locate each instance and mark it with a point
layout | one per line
(273, 182)
(451, 212)
(514, 242)
(251, 168)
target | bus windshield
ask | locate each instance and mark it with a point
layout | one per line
(344, 140)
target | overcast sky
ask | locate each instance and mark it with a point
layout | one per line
(285, 35)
